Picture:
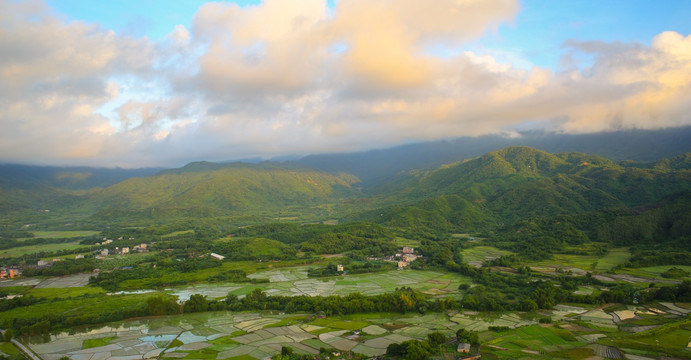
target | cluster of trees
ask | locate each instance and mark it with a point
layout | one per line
(32, 258)
(62, 268)
(668, 255)
(498, 291)
(254, 249)
(40, 326)
(424, 349)
(360, 238)
(402, 300)
(13, 243)
(155, 271)
(6, 234)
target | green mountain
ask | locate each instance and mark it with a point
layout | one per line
(210, 189)
(500, 188)
(377, 167)
(70, 178)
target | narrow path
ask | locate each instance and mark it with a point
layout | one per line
(26, 350)
(23, 348)
(170, 344)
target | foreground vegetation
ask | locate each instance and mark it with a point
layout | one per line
(520, 253)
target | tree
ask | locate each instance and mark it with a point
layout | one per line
(394, 349)
(417, 350)
(527, 305)
(286, 351)
(436, 338)
(466, 336)
(162, 305)
(196, 303)
(8, 335)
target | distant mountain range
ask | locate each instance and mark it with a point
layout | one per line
(440, 185)
(378, 166)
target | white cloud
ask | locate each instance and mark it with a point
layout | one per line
(266, 80)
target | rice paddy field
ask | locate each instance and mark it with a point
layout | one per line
(576, 333)
(242, 335)
(294, 281)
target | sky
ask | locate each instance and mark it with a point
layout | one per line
(161, 83)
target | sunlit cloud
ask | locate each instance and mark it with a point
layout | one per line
(298, 77)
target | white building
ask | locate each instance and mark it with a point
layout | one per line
(219, 257)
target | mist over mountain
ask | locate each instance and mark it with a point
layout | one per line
(376, 166)
(70, 177)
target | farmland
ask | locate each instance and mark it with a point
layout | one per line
(515, 254)
(257, 335)
(294, 281)
(24, 250)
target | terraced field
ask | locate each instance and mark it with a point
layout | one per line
(226, 335)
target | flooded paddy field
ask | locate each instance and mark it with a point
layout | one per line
(223, 335)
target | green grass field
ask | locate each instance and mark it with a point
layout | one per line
(539, 339)
(9, 349)
(406, 242)
(98, 342)
(176, 233)
(615, 257)
(482, 253)
(63, 234)
(655, 271)
(670, 339)
(63, 293)
(340, 324)
(87, 305)
(24, 250)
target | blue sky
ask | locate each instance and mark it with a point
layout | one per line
(554, 21)
(161, 83)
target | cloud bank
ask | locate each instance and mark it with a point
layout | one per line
(297, 77)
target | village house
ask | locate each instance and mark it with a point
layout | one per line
(104, 252)
(125, 250)
(14, 273)
(463, 348)
(408, 250)
(339, 268)
(409, 257)
(140, 248)
(43, 263)
(402, 264)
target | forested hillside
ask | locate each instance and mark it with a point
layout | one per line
(541, 200)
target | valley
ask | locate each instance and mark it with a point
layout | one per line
(519, 253)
